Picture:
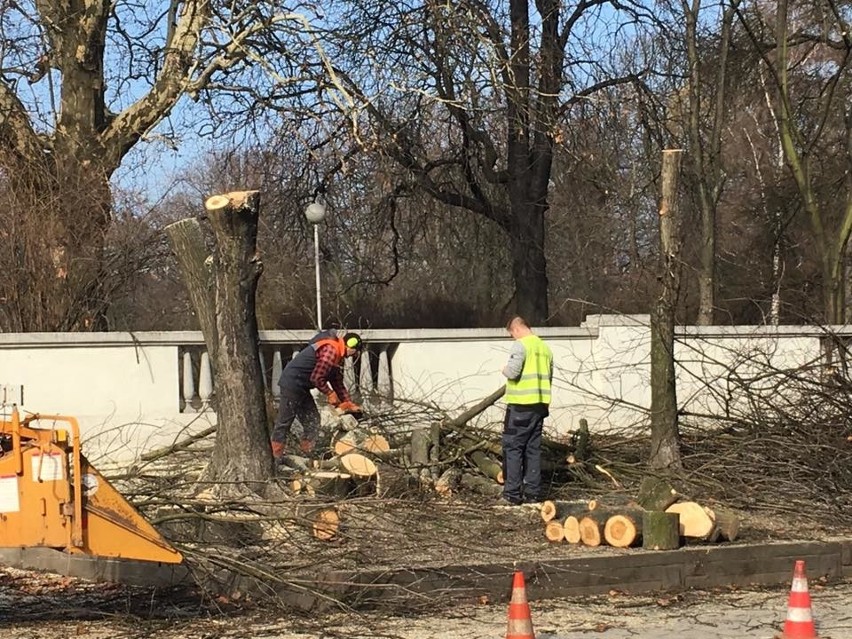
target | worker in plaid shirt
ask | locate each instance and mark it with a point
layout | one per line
(318, 365)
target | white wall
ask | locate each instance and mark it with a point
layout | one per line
(125, 388)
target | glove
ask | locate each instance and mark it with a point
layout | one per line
(349, 407)
(306, 446)
(333, 399)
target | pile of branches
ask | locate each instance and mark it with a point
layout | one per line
(438, 475)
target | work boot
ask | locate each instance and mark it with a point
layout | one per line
(306, 446)
(278, 451)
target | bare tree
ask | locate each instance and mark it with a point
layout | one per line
(83, 83)
(813, 121)
(468, 98)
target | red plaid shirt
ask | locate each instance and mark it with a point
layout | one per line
(327, 375)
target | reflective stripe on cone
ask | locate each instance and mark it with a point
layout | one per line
(520, 621)
(800, 622)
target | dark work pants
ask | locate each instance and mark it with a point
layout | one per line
(522, 454)
(301, 407)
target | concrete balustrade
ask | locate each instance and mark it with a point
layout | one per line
(138, 391)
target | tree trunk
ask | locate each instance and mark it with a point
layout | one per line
(529, 265)
(242, 452)
(665, 438)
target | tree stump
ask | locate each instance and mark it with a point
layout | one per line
(660, 530)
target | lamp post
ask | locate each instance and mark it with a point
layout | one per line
(315, 212)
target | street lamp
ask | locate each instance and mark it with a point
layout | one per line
(315, 212)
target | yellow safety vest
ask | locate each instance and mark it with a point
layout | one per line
(533, 386)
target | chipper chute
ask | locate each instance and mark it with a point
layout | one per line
(51, 497)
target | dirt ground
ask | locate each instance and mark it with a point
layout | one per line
(34, 606)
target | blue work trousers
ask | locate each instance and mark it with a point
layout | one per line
(522, 453)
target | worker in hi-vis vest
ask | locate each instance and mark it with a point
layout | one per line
(529, 373)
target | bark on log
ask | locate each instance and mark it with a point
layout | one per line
(481, 485)
(559, 510)
(694, 520)
(612, 502)
(475, 410)
(660, 530)
(592, 527)
(554, 531)
(655, 493)
(726, 524)
(488, 466)
(572, 529)
(323, 482)
(420, 438)
(624, 529)
(582, 443)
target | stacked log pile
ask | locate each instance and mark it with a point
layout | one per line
(659, 519)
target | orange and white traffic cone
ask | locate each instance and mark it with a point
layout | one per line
(800, 621)
(520, 622)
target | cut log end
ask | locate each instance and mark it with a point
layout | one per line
(572, 529)
(591, 530)
(234, 199)
(621, 531)
(326, 524)
(358, 465)
(554, 531)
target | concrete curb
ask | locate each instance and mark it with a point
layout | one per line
(630, 571)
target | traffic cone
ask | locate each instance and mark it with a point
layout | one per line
(800, 621)
(520, 622)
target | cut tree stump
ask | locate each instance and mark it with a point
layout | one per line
(592, 527)
(660, 530)
(694, 520)
(624, 529)
(554, 531)
(572, 529)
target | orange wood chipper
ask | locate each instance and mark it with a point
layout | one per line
(52, 497)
